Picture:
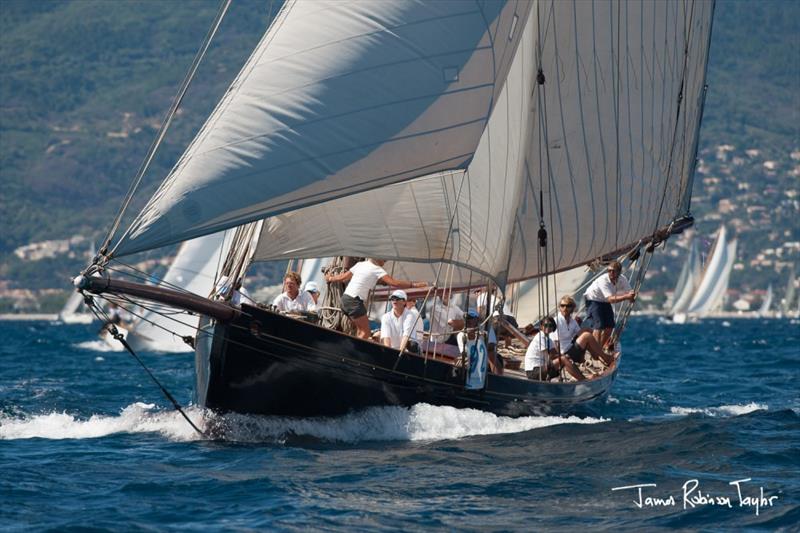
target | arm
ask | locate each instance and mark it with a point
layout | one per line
(339, 278)
(622, 297)
(401, 284)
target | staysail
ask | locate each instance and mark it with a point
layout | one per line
(449, 131)
(714, 285)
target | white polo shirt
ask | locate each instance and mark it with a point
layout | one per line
(396, 327)
(566, 331)
(602, 288)
(538, 352)
(304, 302)
(365, 276)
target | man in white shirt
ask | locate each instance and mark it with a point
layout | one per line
(445, 319)
(397, 326)
(610, 288)
(292, 300)
(362, 278)
(571, 339)
(542, 360)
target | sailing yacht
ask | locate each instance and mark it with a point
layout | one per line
(469, 143)
(710, 290)
(763, 311)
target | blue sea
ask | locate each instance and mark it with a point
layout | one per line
(704, 420)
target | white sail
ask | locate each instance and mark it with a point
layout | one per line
(688, 280)
(530, 304)
(789, 295)
(487, 217)
(70, 312)
(337, 98)
(711, 290)
(193, 270)
(355, 100)
(766, 303)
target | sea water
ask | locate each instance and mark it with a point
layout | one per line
(700, 431)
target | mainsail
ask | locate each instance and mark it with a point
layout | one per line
(711, 290)
(688, 280)
(449, 132)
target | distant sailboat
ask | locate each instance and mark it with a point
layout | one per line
(688, 280)
(789, 295)
(193, 270)
(711, 289)
(70, 312)
(763, 311)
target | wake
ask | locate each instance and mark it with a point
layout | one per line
(421, 422)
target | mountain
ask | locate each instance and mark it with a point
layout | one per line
(85, 86)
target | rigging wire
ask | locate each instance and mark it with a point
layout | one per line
(164, 126)
(100, 314)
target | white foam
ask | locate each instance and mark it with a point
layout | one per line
(418, 423)
(100, 346)
(722, 410)
(136, 418)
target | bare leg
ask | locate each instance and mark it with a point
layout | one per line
(588, 342)
(362, 327)
(598, 336)
(570, 367)
(494, 364)
(605, 335)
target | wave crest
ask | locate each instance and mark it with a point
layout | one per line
(421, 422)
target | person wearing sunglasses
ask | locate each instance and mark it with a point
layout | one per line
(574, 341)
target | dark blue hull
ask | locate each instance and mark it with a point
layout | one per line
(270, 364)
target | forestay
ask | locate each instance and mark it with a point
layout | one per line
(338, 98)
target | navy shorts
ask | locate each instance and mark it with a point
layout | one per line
(576, 353)
(353, 307)
(601, 314)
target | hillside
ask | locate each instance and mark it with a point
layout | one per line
(85, 84)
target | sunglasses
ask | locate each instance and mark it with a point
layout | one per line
(397, 299)
(566, 306)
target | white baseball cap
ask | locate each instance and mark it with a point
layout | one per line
(312, 286)
(398, 295)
